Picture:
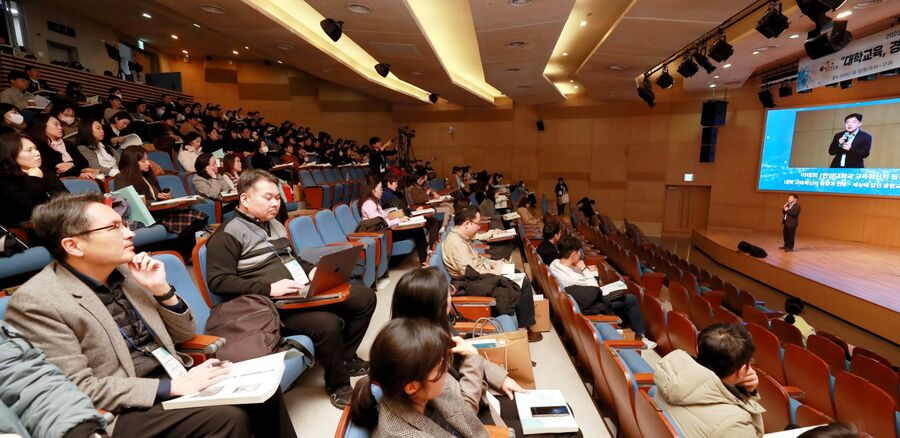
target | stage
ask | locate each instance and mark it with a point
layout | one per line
(856, 282)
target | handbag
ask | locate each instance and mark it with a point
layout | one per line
(564, 199)
(511, 353)
(371, 225)
(10, 244)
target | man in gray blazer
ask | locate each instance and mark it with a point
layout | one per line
(109, 320)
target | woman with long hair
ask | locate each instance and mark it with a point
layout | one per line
(23, 185)
(524, 208)
(90, 144)
(209, 183)
(192, 148)
(370, 208)
(232, 168)
(134, 170)
(58, 157)
(409, 365)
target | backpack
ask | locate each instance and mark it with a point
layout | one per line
(251, 328)
(10, 244)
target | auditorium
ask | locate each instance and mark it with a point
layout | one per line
(450, 218)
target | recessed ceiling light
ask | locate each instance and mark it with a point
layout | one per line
(726, 66)
(185, 52)
(795, 36)
(716, 77)
(146, 15)
(868, 4)
(416, 73)
(212, 9)
(246, 47)
(712, 85)
(571, 81)
(285, 47)
(197, 25)
(576, 87)
(280, 62)
(565, 53)
(235, 52)
(583, 23)
(358, 8)
(618, 67)
(844, 14)
(174, 37)
(517, 43)
(520, 2)
(756, 52)
(513, 69)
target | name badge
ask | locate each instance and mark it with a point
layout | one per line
(170, 363)
(296, 271)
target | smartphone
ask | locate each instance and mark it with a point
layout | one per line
(549, 411)
(166, 190)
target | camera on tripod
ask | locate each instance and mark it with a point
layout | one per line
(406, 132)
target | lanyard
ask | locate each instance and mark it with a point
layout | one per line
(146, 326)
(265, 238)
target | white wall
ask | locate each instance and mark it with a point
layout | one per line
(89, 34)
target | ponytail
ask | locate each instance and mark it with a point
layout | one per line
(364, 408)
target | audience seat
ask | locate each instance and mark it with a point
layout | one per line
(31, 260)
(337, 189)
(177, 274)
(828, 351)
(787, 333)
(80, 185)
(354, 209)
(4, 302)
(753, 315)
(679, 298)
(176, 185)
(721, 314)
(331, 233)
(622, 387)
(682, 333)
(768, 352)
(775, 399)
(877, 374)
(865, 405)
(164, 159)
(655, 324)
(317, 196)
(806, 416)
(348, 224)
(701, 312)
(217, 205)
(652, 420)
(732, 298)
(809, 373)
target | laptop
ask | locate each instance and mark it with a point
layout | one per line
(333, 270)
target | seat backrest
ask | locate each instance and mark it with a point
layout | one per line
(872, 355)
(328, 227)
(701, 312)
(828, 351)
(319, 177)
(774, 398)
(199, 257)
(721, 314)
(622, 387)
(838, 341)
(680, 299)
(682, 333)
(303, 234)
(865, 405)
(437, 260)
(80, 185)
(787, 333)
(4, 302)
(655, 323)
(732, 298)
(354, 208)
(754, 315)
(809, 373)
(31, 260)
(163, 159)
(806, 416)
(189, 184)
(590, 349)
(306, 179)
(877, 374)
(345, 218)
(768, 352)
(177, 275)
(173, 183)
(651, 419)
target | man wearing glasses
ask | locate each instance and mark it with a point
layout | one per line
(109, 320)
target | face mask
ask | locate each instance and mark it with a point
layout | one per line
(119, 94)
(160, 111)
(15, 118)
(67, 120)
(264, 150)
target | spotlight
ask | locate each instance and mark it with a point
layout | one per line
(827, 39)
(687, 68)
(814, 8)
(383, 69)
(766, 98)
(773, 22)
(433, 97)
(720, 51)
(665, 80)
(703, 61)
(645, 92)
(785, 90)
(846, 84)
(332, 28)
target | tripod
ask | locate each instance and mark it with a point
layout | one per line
(405, 153)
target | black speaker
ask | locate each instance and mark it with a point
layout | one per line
(708, 139)
(708, 153)
(709, 136)
(713, 113)
(540, 125)
(752, 249)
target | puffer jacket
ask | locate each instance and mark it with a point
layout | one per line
(701, 404)
(36, 398)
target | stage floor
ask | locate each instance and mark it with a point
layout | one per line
(856, 282)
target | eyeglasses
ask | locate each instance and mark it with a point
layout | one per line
(118, 225)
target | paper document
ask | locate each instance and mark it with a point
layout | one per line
(251, 381)
(510, 216)
(422, 211)
(503, 234)
(131, 140)
(176, 200)
(414, 220)
(508, 268)
(444, 198)
(518, 277)
(613, 287)
(40, 103)
(537, 398)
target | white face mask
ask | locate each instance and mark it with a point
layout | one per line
(264, 150)
(15, 118)
(160, 111)
(67, 120)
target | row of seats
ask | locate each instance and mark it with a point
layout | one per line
(326, 187)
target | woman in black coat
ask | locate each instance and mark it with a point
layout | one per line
(23, 185)
(58, 157)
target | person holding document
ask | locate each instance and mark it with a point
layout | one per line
(110, 321)
(370, 208)
(852, 146)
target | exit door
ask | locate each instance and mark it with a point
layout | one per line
(687, 207)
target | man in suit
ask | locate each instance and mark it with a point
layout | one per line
(791, 212)
(109, 320)
(850, 147)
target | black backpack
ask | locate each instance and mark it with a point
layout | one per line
(251, 327)
(10, 244)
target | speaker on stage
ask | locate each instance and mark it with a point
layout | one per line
(752, 249)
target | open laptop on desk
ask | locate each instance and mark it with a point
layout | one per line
(332, 271)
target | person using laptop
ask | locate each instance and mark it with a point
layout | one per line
(251, 254)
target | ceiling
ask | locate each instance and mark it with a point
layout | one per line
(592, 47)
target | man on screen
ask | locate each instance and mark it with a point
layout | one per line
(851, 146)
(791, 214)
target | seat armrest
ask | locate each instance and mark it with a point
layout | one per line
(498, 431)
(207, 344)
(795, 392)
(473, 301)
(355, 243)
(365, 234)
(631, 345)
(644, 379)
(610, 319)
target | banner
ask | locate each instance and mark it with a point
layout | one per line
(873, 54)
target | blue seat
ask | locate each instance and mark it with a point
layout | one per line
(337, 189)
(293, 366)
(334, 176)
(354, 208)
(79, 185)
(163, 159)
(348, 224)
(31, 260)
(331, 232)
(303, 233)
(317, 196)
(176, 185)
(4, 301)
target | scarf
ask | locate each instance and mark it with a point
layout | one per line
(60, 146)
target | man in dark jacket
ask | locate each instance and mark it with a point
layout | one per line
(251, 254)
(851, 146)
(547, 250)
(378, 156)
(791, 211)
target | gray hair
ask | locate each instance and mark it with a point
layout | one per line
(63, 216)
